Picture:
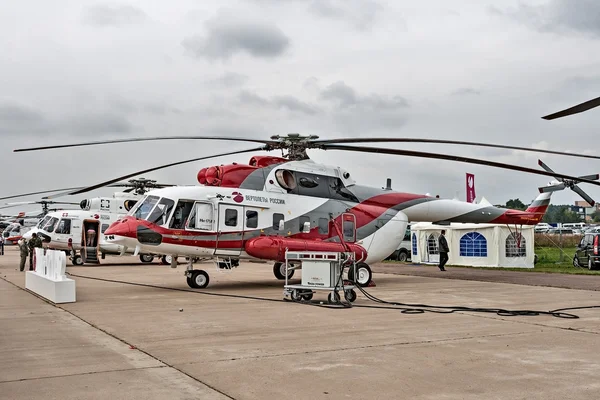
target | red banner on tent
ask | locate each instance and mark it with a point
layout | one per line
(470, 188)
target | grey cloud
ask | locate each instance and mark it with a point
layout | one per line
(227, 36)
(228, 80)
(466, 92)
(345, 96)
(19, 120)
(16, 119)
(558, 16)
(279, 102)
(96, 124)
(103, 15)
(119, 105)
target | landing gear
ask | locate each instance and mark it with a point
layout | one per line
(363, 274)
(279, 271)
(197, 279)
(77, 260)
(146, 258)
(166, 260)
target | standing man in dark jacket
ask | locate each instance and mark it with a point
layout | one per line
(34, 242)
(444, 250)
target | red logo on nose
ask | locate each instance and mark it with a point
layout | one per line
(237, 197)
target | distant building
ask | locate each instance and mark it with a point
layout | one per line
(585, 210)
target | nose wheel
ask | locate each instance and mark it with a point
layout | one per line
(197, 278)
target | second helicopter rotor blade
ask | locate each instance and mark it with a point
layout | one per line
(420, 154)
(40, 192)
(106, 183)
(575, 109)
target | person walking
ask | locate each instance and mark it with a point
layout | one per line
(24, 250)
(34, 242)
(1, 245)
(91, 235)
(444, 250)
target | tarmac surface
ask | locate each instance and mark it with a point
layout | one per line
(236, 339)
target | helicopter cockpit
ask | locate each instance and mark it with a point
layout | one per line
(153, 209)
(49, 224)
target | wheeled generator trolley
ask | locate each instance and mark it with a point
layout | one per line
(320, 271)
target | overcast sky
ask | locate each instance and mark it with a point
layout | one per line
(74, 71)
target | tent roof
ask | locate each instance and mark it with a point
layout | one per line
(461, 226)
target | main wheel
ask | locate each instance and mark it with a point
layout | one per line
(77, 260)
(279, 271)
(146, 258)
(199, 279)
(363, 274)
(350, 295)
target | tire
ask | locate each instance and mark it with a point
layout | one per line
(307, 296)
(295, 295)
(199, 279)
(364, 275)
(333, 298)
(402, 256)
(279, 271)
(576, 262)
(350, 295)
(77, 260)
(146, 258)
(590, 263)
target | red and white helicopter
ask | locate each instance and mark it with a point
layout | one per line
(273, 204)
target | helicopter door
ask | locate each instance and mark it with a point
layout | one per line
(433, 250)
(230, 230)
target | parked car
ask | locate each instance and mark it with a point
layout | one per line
(588, 251)
(402, 253)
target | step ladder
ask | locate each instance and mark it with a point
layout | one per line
(91, 256)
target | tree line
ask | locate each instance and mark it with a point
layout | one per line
(555, 213)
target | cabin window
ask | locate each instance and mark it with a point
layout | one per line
(161, 212)
(104, 228)
(251, 219)
(181, 214)
(303, 220)
(276, 219)
(64, 226)
(145, 207)
(43, 221)
(323, 226)
(231, 217)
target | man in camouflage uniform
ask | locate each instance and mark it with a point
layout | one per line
(24, 250)
(34, 242)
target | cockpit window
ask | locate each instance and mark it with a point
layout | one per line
(161, 212)
(43, 221)
(142, 211)
(49, 226)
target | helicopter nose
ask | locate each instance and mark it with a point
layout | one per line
(122, 228)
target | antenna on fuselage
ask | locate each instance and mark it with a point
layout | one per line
(388, 184)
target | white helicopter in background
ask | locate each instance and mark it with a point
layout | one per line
(80, 231)
(17, 226)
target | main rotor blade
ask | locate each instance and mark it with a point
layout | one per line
(584, 195)
(60, 146)
(412, 153)
(103, 184)
(555, 188)
(575, 109)
(41, 192)
(439, 141)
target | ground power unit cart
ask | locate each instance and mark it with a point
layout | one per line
(320, 271)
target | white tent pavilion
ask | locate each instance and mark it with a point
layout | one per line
(478, 245)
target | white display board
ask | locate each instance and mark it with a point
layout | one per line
(49, 278)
